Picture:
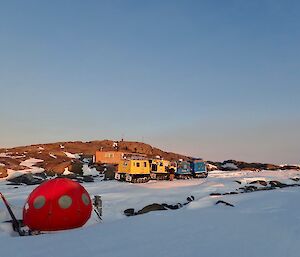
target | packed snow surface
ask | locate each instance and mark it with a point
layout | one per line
(265, 223)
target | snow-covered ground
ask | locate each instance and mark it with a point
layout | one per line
(263, 223)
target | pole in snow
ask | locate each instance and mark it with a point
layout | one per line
(97, 203)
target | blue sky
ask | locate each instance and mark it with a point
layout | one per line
(215, 79)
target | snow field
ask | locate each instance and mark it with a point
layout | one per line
(261, 223)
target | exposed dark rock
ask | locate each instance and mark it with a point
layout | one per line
(190, 198)
(290, 167)
(295, 179)
(172, 207)
(76, 167)
(158, 207)
(129, 212)
(146, 209)
(152, 207)
(249, 188)
(108, 170)
(88, 179)
(239, 182)
(215, 194)
(42, 175)
(277, 184)
(231, 193)
(261, 182)
(27, 179)
(225, 203)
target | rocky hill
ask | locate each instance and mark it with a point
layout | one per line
(57, 156)
(254, 166)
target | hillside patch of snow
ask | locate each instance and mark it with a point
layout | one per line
(30, 162)
(67, 172)
(211, 166)
(53, 156)
(18, 156)
(72, 156)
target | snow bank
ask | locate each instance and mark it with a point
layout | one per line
(230, 165)
(87, 171)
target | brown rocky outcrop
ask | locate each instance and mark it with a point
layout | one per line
(3, 172)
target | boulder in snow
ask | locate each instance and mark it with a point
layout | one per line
(152, 207)
(27, 179)
(275, 183)
(224, 203)
(261, 182)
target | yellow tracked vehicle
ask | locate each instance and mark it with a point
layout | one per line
(134, 170)
(159, 169)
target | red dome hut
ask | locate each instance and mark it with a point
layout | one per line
(57, 204)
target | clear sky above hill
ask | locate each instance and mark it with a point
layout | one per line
(215, 79)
